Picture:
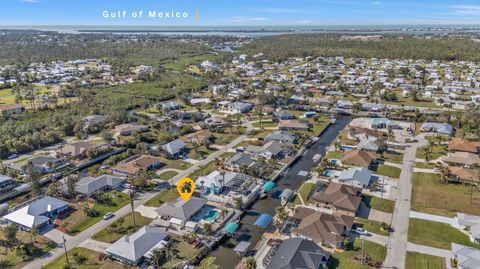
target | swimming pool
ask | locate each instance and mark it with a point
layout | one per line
(327, 173)
(211, 215)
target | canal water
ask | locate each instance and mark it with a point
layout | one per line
(225, 257)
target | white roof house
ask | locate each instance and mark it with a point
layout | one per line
(37, 213)
(356, 176)
(130, 249)
(466, 257)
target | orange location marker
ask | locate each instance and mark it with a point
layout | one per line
(185, 188)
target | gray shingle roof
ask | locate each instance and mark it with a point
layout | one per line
(89, 185)
(174, 147)
(181, 209)
(298, 253)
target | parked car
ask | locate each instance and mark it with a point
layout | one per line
(361, 231)
(107, 216)
(127, 186)
(13, 156)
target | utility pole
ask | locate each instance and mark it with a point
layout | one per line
(65, 248)
(363, 242)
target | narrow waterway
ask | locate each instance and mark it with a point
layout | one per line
(225, 257)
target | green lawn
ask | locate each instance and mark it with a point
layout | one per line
(8, 256)
(304, 191)
(91, 262)
(204, 170)
(429, 195)
(437, 151)
(176, 164)
(77, 221)
(334, 155)
(393, 157)
(165, 196)
(386, 170)
(181, 251)
(109, 237)
(346, 259)
(436, 234)
(372, 226)
(198, 152)
(424, 165)
(377, 203)
(167, 175)
(226, 137)
(416, 260)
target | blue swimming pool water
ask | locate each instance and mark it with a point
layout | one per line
(211, 215)
(327, 173)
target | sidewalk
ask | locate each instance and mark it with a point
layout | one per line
(450, 221)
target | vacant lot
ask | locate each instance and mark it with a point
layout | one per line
(304, 191)
(377, 203)
(417, 260)
(8, 256)
(122, 227)
(386, 170)
(165, 196)
(91, 260)
(167, 175)
(436, 234)
(429, 195)
(351, 258)
(437, 151)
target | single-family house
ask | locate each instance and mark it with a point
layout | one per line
(131, 249)
(299, 253)
(88, 186)
(287, 125)
(471, 224)
(174, 149)
(216, 123)
(37, 213)
(142, 163)
(341, 199)
(460, 158)
(238, 160)
(459, 144)
(128, 129)
(270, 150)
(359, 158)
(464, 175)
(8, 110)
(180, 211)
(465, 257)
(435, 127)
(77, 150)
(359, 177)
(281, 137)
(7, 183)
(283, 115)
(201, 137)
(240, 107)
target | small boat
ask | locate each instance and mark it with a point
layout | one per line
(333, 121)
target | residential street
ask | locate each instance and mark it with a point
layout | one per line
(85, 235)
(397, 243)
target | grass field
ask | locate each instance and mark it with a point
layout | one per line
(77, 221)
(167, 175)
(165, 196)
(108, 237)
(346, 259)
(436, 234)
(386, 170)
(304, 190)
(176, 164)
(372, 226)
(437, 151)
(424, 165)
(92, 260)
(377, 203)
(418, 260)
(334, 155)
(429, 195)
(8, 256)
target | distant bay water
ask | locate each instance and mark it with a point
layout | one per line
(253, 30)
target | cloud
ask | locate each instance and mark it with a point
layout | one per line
(248, 19)
(30, 1)
(466, 9)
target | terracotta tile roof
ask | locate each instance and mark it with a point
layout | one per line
(10, 107)
(358, 158)
(458, 144)
(134, 166)
(465, 174)
(340, 196)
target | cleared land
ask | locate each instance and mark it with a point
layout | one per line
(351, 258)
(416, 260)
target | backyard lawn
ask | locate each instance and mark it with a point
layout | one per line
(76, 221)
(91, 260)
(304, 191)
(429, 195)
(334, 155)
(181, 251)
(371, 226)
(393, 157)
(111, 234)
(386, 170)
(165, 196)
(351, 258)
(377, 203)
(436, 234)
(8, 256)
(416, 260)
(167, 175)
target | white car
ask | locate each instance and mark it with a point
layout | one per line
(361, 231)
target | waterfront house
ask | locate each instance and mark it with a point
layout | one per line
(358, 158)
(299, 253)
(339, 198)
(89, 186)
(128, 129)
(359, 177)
(287, 125)
(281, 137)
(179, 212)
(142, 163)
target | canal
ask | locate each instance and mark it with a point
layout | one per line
(225, 257)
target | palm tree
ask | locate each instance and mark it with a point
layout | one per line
(33, 233)
(250, 263)
(169, 251)
(132, 195)
(156, 257)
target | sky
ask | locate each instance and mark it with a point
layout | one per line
(242, 12)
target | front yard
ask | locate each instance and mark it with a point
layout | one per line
(77, 221)
(351, 257)
(429, 195)
(437, 151)
(85, 259)
(436, 234)
(372, 226)
(121, 227)
(424, 261)
(165, 196)
(167, 175)
(175, 164)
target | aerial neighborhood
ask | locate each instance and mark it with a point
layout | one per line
(304, 161)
